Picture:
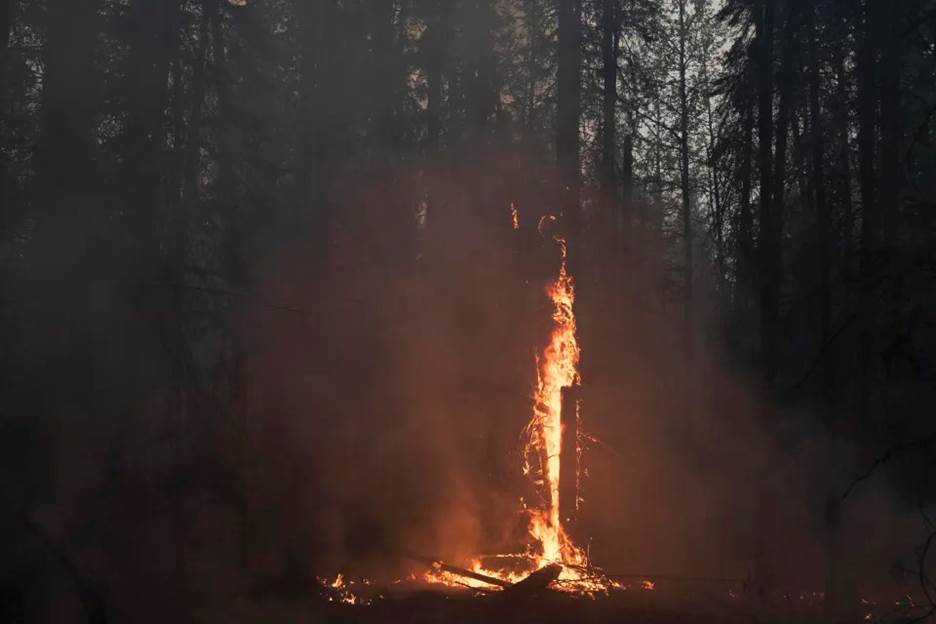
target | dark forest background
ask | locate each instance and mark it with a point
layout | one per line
(265, 315)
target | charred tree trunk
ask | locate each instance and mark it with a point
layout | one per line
(569, 468)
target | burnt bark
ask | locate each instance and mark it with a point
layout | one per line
(569, 468)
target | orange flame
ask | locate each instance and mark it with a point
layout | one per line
(557, 368)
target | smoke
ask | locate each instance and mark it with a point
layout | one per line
(391, 422)
(376, 408)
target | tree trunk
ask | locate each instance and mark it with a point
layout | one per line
(773, 228)
(319, 109)
(432, 45)
(568, 112)
(64, 153)
(6, 27)
(609, 58)
(825, 242)
(889, 199)
(768, 293)
(686, 212)
(843, 170)
(155, 28)
(764, 34)
(890, 115)
(870, 214)
(481, 94)
(745, 269)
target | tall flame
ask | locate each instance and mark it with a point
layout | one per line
(557, 368)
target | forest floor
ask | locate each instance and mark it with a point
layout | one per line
(431, 607)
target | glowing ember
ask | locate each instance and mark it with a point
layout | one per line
(339, 590)
(514, 216)
(649, 585)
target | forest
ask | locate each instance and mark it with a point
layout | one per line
(282, 282)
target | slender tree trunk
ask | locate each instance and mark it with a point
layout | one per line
(613, 241)
(889, 199)
(870, 213)
(890, 114)
(843, 169)
(826, 242)
(431, 49)
(319, 103)
(746, 258)
(768, 293)
(6, 29)
(609, 58)
(155, 27)
(764, 35)
(715, 193)
(64, 153)
(686, 212)
(568, 112)
(481, 94)
(774, 228)
(385, 67)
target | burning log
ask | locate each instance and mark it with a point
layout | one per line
(569, 469)
(537, 581)
(463, 572)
